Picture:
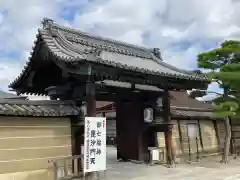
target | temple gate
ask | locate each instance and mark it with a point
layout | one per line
(68, 64)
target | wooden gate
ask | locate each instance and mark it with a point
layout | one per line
(67, 167)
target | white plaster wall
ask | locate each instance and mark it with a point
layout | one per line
(34, 97)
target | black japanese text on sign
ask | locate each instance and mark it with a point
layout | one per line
(95, 142)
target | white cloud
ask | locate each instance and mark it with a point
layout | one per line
(8, 71)
(172, 18)
(153, 23)
(20, 25)
(183, 59)
(1, 19)
(167, 22)
(18, 29)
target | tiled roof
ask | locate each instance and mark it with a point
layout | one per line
(70, 45)
(178, 112)
(181, 99)
(37, 108)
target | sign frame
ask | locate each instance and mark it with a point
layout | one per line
(192, 130)
(94, 144)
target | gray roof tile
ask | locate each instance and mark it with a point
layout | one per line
(71, 45)
(192, 113)
(38, 108)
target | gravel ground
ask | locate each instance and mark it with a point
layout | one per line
(207, 168)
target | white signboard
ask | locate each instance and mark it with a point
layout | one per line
(192, 130)
(95, 144)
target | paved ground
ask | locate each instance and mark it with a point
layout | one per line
(206, 169)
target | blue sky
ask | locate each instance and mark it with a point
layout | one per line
(180, 28)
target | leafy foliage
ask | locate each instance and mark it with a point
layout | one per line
(224, 66)
(226, 108)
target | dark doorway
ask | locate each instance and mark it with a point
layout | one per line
(151, 136)
(149, 140)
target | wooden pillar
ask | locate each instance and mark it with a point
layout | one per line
(180, 136)
(119, 127)
(129, 122)
(141, 127)
(232, 150)
(200, 135)
(168, 132)
(77, 134)
(91, 102)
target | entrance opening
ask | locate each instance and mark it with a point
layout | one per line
(151, 136)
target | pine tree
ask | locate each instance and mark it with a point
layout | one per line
(223, 66)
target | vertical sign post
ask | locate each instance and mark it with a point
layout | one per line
(94, 144)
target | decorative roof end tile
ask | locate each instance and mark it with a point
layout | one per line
(157, 53)
(46, 22)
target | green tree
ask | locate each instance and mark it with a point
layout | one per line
(223, 66)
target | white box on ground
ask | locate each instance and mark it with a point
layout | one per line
(95, 144)
(155, 155)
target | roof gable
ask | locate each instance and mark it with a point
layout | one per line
(79, 45)
(72, 46)
(181, 99)
(103, 43)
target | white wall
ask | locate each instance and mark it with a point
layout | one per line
(34, 97)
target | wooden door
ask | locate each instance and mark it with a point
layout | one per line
(129, 130)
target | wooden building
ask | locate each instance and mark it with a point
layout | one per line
(31, 134)
(74, 65)
(184, 110)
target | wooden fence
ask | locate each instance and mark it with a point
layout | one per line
(69, 167)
